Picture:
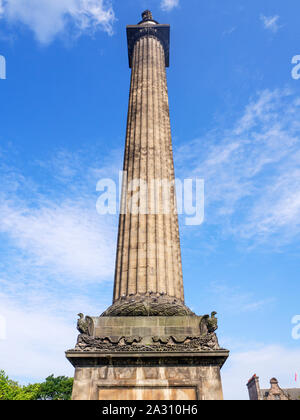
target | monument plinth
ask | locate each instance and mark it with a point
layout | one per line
(148, 344)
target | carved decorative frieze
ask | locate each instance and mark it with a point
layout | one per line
(133, 344)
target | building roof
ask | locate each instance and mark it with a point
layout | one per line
(292, 393)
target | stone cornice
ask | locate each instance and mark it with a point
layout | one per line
(88, 359)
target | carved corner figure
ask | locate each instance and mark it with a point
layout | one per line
(84, 324)
(209, 324)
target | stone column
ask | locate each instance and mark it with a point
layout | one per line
(148, 345)
(148, 252)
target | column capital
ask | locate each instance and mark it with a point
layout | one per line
(145, 28)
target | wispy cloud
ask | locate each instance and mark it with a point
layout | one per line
(51, 235)
(229, 31)
(58, 229)
(168, 5)
(270, 22)
(49, 18)
(252, 171)
(234, 300)
(67, 239)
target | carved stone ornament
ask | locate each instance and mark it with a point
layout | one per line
(209, 324)
(84, 325)
(133, 344)
(148, 305)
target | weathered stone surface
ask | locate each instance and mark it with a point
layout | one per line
(143, 305)
(146, 327)
(161, 334)
(148, 383)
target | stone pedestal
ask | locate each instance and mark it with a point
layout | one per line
(147, 358)
(151, 379)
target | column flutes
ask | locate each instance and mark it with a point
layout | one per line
(148, 251)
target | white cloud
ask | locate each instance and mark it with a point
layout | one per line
(168, 5)
(267, 362)
(270, 22)
(251, 170)
(49, 18)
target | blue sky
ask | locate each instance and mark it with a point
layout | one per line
(235, 112)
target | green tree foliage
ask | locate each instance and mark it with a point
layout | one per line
(11, 390)
(59, 388)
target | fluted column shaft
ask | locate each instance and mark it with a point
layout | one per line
(148, 251)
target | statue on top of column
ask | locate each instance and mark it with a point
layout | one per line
(147, 15)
